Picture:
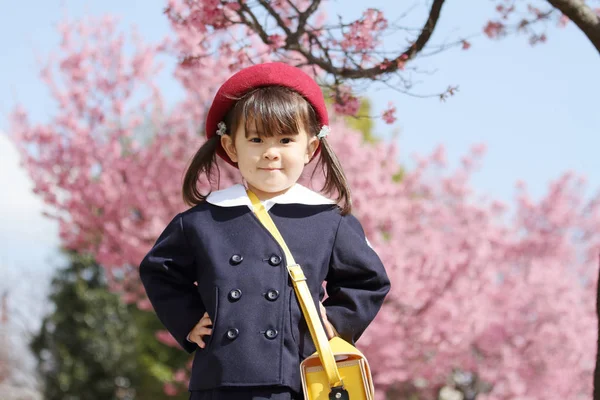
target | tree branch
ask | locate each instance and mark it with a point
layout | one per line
(303, 17)
(583, 16)
(411, 52)
(276, 16)
(326, 64)
(426, 32)
(254, 24)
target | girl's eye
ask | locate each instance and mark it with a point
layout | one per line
(255, 140)
(286, 140)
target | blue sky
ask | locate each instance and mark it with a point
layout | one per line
(536, 108)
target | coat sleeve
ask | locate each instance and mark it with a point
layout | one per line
(168, 274)
(357, 282)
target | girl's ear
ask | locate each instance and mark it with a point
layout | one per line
(313, 145)
(228, 145)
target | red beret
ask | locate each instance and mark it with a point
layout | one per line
(268, 74)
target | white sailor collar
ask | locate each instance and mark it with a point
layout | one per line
(236, 196)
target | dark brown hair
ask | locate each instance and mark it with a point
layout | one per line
(270, 110)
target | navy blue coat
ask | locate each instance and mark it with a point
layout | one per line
(259, 335)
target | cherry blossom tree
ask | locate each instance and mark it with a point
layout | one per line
(505, 292)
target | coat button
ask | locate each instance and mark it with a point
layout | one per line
(272, 295)
(232, 333)
(275, 260)
(271, 333)
(235, 294)
(236, 259)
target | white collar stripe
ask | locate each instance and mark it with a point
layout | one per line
(236, 196)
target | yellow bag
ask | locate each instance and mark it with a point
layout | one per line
(353, 369)
(337, 370)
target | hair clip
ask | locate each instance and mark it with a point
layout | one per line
(325, 130)
(222, 128)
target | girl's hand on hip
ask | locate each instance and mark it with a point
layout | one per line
(200, 330)
(329, 329)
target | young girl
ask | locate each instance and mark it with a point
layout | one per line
(243, 319)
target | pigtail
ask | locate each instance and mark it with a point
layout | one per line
(335, 179)
(203, 162)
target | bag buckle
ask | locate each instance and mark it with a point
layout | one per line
(339, 393)
(296, 273)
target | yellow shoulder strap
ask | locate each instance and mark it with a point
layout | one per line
(317, 332)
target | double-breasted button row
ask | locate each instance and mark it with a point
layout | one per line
(236, 294)
(236, 259)
(233, 333)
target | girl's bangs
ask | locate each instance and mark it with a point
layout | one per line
(274, 111)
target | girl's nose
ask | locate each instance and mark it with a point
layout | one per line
(271, 153)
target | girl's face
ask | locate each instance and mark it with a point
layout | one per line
(270, 165)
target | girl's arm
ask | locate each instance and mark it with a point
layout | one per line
(356, 282)
(168, 273)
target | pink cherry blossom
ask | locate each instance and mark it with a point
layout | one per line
(389, 115)
(345, 102)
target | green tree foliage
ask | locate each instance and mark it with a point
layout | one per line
(92, 346)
